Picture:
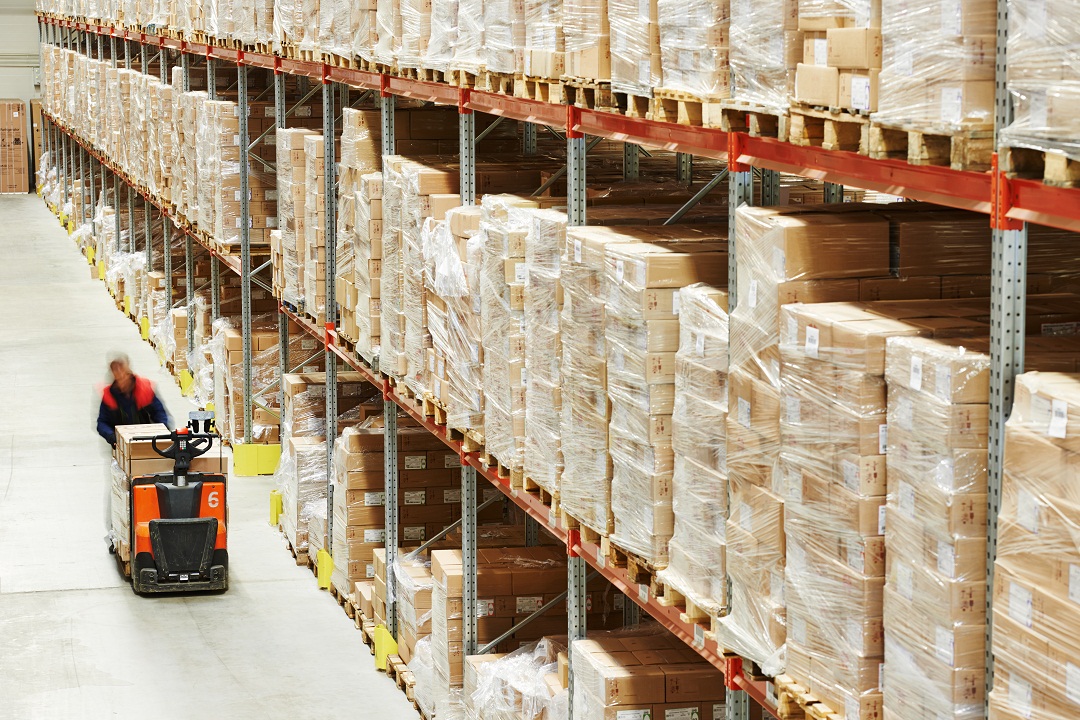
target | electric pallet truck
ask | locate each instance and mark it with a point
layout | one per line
(178, 519)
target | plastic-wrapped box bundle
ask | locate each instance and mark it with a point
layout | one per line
(642, 672)
(832, 465)
(314, 256)
(523, 684)
(443, 35)
(766, 46)
(119, 502)
(361, 140)
(388, 33)
(469, 39)
(544, 53)
(1043, 80)
(635, 46)
(392, 322)
(587, 39)
(367, 263)
(938, 64)
(641, 286)
(415, 31)
(783, 258)
(699, 485)
(1038, 557)
(208, 160)
(292, 198)
(187, 114)
(504, 36)
(695, 46)
(358, 482)
(415, 601)
(543, 349)
(935, 531)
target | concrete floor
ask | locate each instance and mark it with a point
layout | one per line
(75, 642)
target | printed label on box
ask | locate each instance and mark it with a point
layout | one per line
(682, 714)
(577, 251)
(753, 294)
(907, 499)
(450, 497)
(1027, 511)
(812, 338)
(675, 303)
(369, 570)
(415, 532)
(1020, 694)
(633, 715)
(744, 413)
(916, 373)
(415, 497)
(1072, 683)
(620, 271)
(860, 92)
(416, 462)
(946, 559)
(529, 604)
(699, 344)
(374, 498)
(881, 515)
(1074, 583)
(821, 51)
(944, 644)
(793, 409)
(1059, 418)
(883, 439)
(485, 608)
(377, 535)
(905, 580)
(1020, 605)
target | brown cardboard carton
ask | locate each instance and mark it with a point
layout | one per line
(854, 48)
(817, 85)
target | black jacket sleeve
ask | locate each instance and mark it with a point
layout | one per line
(158, 413)
(105, 426)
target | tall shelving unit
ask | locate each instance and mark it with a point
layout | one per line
(1009, 205)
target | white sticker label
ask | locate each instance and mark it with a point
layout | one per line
(620, 271)
(798, 630)
(485, 608)
(451, 461)
(633, 715)
(945, 473)
(675, 303)
(699, 344)
(916, 373)
(601, 561)
(436, 386)
(952, 17)
(812, 339)
(375, 536)
(743, 412)
(416, 462)
(883, 439)
(905, 580)
(904, 412)
(451, 497)
(952, 104)
(643, 593)
(792, 409)
(529, 604)
(415, 532)
(521, 272)
(1074, 583)
(1072, 683)
(1020, 694)
(856, 558)
(944, 645)
(821, 51)
(881, 515)
(1020, 605)
(682, 714)
(851, 708)
(862, 13)
(753, 293)
(369, 570)
(860, 93)
(792, 330)
(746, 517)
(779, 261)
(415, 497)
(699, 636)
(907, 499)
(374, 499)
(854, 633)
(577, 251)
(946, 559)
(1027, 511)
(1059, 418)
(851, 475)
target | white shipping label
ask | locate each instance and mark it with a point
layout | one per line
(307, 344)
(905, 62)
(792, 409)
(529, 604)
(699, 344)
(451, 497)
(952, 104)
(474, 351)
(915, 383)
(369, 570)
(415, 497)
(746, 517)
(796, 556)
(1072, 683)
(1027, 511)
(792, 328)
(1020, 694)
(415, 532)
(1035, 10)
(853, 632)
(944, 645)
(416, 462)
(753, 293)
(945, 473)
(682, 714)
(860, 93)
(620, 270)
(436, 386)
(821, 51)
(779, 263)
(776, 588)
(633, 714)
(812, 339)
(485, 608)
(521, 272)
(1059, 418)
(374, 499)
(798, 629)
(862, 19)
(883, 439)
(946, 559)
(675, 303)
(1074, 583)
(643, 593)
(856, 558)
(645, 72)
(699, 636)
(952, 17)
(743, 412)
(1020, 606)
(904, 412)
(881, 515)
(905, 580)
(577, 251)
(907, 498)
(377, 535)
(851, 475)
(451, 461)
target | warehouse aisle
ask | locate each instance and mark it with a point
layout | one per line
(74, 640)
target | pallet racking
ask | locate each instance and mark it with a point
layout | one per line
(1008, 203)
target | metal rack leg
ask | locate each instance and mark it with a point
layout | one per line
(131, 217)
(468, 558)
(148, 228)
(575, 177)
(740, 192)
(770, 188)
(166, 231)
(215, 287)
(532, 532)
(834, 193)
(390, 454)
(245, 249)
(631, 165)
(738, 705)
(684, 168)
(189, 289)
(467, 143)
(528, 139)
(116, 209)
(575, 604)
(330, 226)
(386, 107)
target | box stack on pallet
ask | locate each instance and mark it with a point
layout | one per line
(367, 264)
(292, 198)
(313, 261)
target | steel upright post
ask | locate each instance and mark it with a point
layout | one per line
(467, 145)
(330, 233)
(245, 244)
(630, 163)
(468, 558)
(280, 118)
(390, 506)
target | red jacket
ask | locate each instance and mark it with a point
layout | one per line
(143, 394)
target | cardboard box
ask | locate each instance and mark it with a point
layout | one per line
(854, 48)
(817, 85)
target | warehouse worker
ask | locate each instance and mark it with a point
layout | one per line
(130, 400)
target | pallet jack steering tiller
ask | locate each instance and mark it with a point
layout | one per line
(178, 533)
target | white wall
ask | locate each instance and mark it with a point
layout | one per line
(18, 50)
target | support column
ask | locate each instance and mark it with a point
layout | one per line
(684, 168)
(834, 193)
(389, 142)
(148, 227)
(468, 558)
(245, 247)
(280, 118)
(390, 471)
(189, 289)
(330, 228)
(467, 144)
(770, 188)
(528, 139)
(630, 164)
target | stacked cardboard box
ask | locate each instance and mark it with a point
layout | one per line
(694, 54)
(841, 54)
(587, 37)
(935, 530)
(367, 263)
(938, 64)
(766, 46)
(313, 278)
(292, 198)
(544, 50)
(642, 284)
(1038, 558)
(832, 466)
(188, 117)
(636, 66)
(521, 685)
(647, 674)
(699, 486)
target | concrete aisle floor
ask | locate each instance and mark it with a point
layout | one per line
(75, 642)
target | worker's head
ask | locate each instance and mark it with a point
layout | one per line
(120, 368)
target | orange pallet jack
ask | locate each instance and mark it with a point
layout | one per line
(178, 519)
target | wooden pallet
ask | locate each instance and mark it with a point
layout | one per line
(632, 105)
(230, 43)
(462, 78)
(310, 56)
(683, 108)
(367, 632)
(343, 601)
(1050, 166)
(497, 82)
(795, 701)
(829, 129)
(586, 93)
(472, 441)
(538, 88)
(516, 475)
(422, 74)
(968, 148)
(691, 610)
(753, 119)
(300, 558)
(638, 569)
(434, 409)
(335, 60)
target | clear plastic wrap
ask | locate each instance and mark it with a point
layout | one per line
(388, 32)
(367, 263)
(443, 35)
(934, 607)
(520, 685)
(587, 39)
(543, 349)
(635, 52)
(696, 566)
(766, 45)
(641, 286)
(292, 198)
(544, 50)
(314, 255)
(504, 36)
(392, 333)
(1042, 77)
(415, 31)
(695, 46)
(1038, 554)
(119, 520)
(469, 40)
(937, 67)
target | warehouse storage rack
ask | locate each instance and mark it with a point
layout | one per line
(1009, 204)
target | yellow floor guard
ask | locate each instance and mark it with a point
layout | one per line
(385, 645)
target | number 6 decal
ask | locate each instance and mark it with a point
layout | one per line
(212, 499)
